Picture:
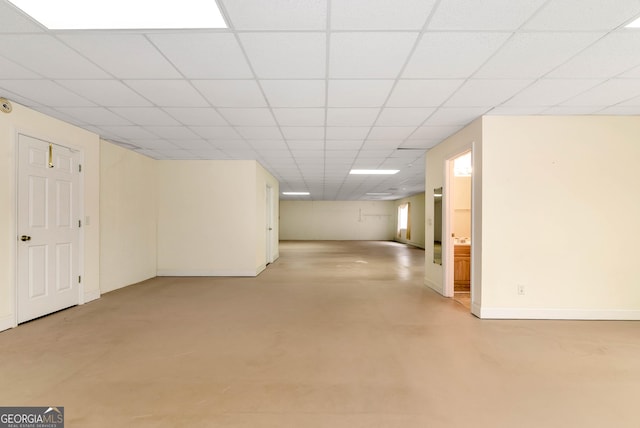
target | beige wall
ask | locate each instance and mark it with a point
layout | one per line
(416, 214)
(462, 207)
(128, 217)
(337, 220)
(207, 217)
(555, 213)
(561, 210)
(29, 122)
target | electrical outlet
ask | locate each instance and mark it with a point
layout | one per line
(521, 289)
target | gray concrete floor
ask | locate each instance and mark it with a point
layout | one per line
(334, 334)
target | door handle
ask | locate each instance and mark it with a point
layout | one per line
(25, 238)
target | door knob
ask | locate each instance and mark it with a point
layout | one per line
(24, 238)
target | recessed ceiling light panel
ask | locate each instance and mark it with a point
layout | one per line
(123, 14)
(295, 193)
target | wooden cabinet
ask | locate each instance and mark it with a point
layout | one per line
(462, 267)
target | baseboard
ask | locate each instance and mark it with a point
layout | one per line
(91, 295)
(7, 322)
(413, 244)
(557, 314)
(181, 272)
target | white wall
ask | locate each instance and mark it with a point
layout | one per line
(416, 214)
(128, 215)
(207, 217)
(337, 220)
(560, 217)
(462, 207)
(30, 122)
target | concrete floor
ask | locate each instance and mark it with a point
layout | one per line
(334, 334)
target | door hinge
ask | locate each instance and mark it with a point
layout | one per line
(79, 167)
(79, 279)
(79, 223)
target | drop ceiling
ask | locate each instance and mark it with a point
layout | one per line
(314, 88)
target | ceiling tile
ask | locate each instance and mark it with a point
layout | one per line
(505, 110)
(204, 55)
(379, 14)
(299, 116)
(506, 15)
(48, 56)
(433, 132)
(422, 93)
(611, 92)
(303, 132)
(125, 56)
(248, 116)
(294, 93)
(351, 116)
(455, 116)
(46, 92)
(343, 145)
(358, 93)
(230, 144)
(610, 56)
(168, 93)
(145, 115)
(241, 154)
(157, 144)
(95, 116)
(532, 55)
(369, 55)
(216, 132)
(286, 55)
(403, 116)
(621, 110)
(549, 92)
(583, 15)
(277, 14)
(13, 20)
(260, 132)
(381, 144)
(231, 93)
(107, 93)
(347, 132)
(270, 148)
(172, 132)
(487, 92)
(10, 70)
(452, 55)
(306, 144)
(390, 132)
(131, 132)
(570, 111)
(198, 116)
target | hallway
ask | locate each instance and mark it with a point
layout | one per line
(333, 334)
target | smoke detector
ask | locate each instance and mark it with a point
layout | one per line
(5, 105)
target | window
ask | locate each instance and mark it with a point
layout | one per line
(404, 221)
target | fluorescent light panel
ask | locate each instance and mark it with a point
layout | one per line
(296, 193)
(123, 14)
(374, 171)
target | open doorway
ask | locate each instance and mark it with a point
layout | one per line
(459, 214)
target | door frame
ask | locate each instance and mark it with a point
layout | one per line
(447, 240)
(269, 225)
(16, 213)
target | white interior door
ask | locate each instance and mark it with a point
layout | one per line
(48, 228)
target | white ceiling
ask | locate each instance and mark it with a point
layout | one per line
(313, 88)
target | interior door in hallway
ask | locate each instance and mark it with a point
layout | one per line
(48, 228)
